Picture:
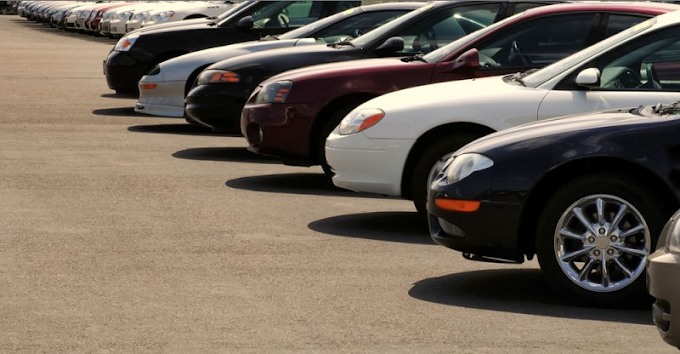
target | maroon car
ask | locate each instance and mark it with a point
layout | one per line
(291, 114)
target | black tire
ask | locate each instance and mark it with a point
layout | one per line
(333, 120)
(427, 160)
(581, 279)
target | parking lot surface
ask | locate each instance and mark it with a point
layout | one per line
(125, 233)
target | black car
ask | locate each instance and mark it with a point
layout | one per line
(588, 195)
(140, 50)
(222, 89)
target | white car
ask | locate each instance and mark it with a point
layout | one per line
(163, 89)
(182, 11)
(118, 23)
(389, 144)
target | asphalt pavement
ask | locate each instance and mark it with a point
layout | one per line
(126, 233)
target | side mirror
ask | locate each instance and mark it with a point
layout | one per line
(390, 46)
(469, 59)
(589, 78)
(466, 61)
(246, 23)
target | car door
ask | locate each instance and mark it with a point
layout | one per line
(644, 71)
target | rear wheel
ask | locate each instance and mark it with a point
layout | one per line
(594, 236)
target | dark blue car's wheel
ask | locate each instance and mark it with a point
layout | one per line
(594, 237)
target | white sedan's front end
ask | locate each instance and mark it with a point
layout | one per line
(371, 160)
(163, 89)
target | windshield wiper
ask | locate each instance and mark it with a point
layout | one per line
(661, 109)
(517, 77)
(417, 57)
(341, 43)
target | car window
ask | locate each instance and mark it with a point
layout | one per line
(282, 14)
(357, 25)
(539, 42)
(649, 63)
(619, 22)
(443, 27)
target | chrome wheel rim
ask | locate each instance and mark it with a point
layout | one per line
(602, 243)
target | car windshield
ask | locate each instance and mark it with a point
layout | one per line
(309, 29)
(441, 53)
(375, 35)
(538, 77)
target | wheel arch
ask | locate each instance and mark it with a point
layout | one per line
(192, 78)
(327, 111)
(192, 16)
(430, 136)
(546, 186)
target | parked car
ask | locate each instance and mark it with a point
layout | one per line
(92, 23)
(141, 50)
(217, 102)
(587, 194)
(663, 272)
(118, 23)
(389, 144)
(163, 89)
(187, 10)
(546, 33)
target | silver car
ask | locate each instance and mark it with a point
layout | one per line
(663, 282)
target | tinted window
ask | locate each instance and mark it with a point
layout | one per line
(443, 27)
(618, 23)
(539, 42)
(357, 25)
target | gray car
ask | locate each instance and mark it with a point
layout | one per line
(663, 275)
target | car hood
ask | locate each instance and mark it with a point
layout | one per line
(546, 132)
(340, 68)
(184, 25)
(191, 61)
(288, 58)
(411, 112)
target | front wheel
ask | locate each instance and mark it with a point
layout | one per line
(427, 160)
(594, 236)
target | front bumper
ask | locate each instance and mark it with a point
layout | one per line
(281, 130)
(368, 165)
(663, 272)
(217, 106)
(166, 100)
(124, 69)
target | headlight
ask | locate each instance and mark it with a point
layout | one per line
(673, 238)
(359, 120)
(464, 165)
(163, 16)
(141, 16)
(124, 44)
(218, 77)
(275, 92)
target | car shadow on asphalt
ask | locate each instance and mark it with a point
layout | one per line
(84, 36)
(121, 111)
(231, 154)
(523, 291)
(181, 129)
(294, 183)
(404, 227)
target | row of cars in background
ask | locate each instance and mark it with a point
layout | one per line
(116, 18)
(518, 128)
